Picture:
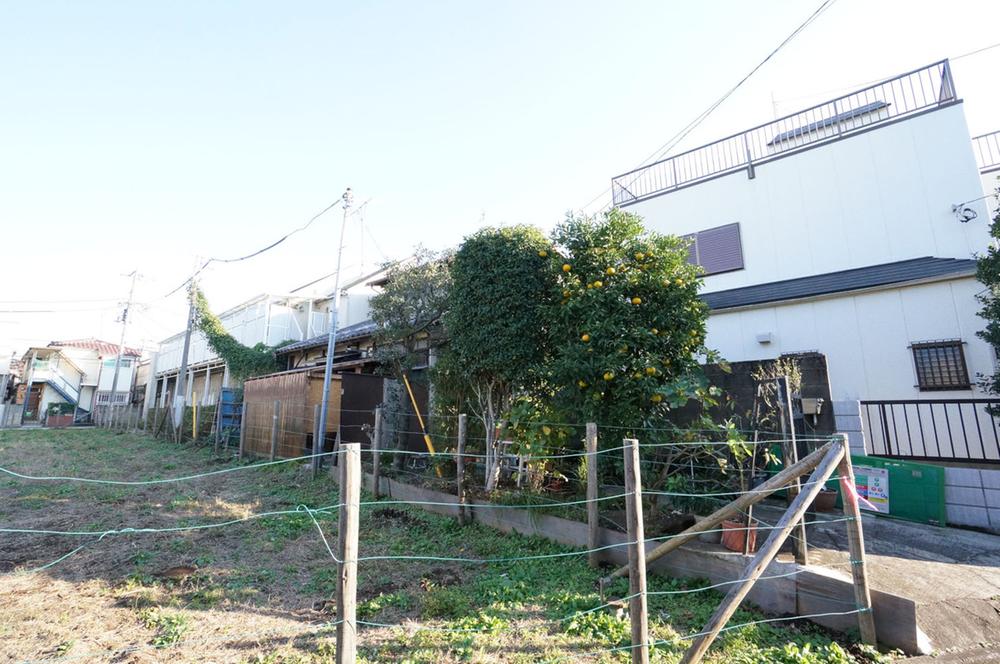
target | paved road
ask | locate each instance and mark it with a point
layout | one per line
(984, 654)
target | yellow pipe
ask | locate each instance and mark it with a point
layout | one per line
(423, 428)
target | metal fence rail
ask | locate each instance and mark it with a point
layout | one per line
(906, 94)
(987, 149)
(942, 430)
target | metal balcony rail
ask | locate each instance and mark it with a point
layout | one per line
(904, 95)
(941, 430)
(987, 149)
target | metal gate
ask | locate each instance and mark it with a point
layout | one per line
(934, 430)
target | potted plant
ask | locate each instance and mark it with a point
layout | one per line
(736, 532)
(825, 500)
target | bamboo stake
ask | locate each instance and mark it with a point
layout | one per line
(460, 468)
(767, 553)
(377, 453)
(739, 505)
(274, 430)
(318, 446)
(243, 431)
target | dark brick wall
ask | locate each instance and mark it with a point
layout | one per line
(739, 387)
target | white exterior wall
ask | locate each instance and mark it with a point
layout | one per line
(865, 336)
(880, 196)
(125, 374)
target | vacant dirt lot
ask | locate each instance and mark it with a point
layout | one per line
(260, 589)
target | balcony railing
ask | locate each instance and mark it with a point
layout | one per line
(904, 95)
(934, 430)
(987, 149)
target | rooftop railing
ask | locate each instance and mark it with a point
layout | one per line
(904, 95)
(987, 149)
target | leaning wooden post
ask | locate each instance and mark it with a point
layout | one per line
(738, 506)
(593, 526)
(274, 430)
(637, 608)
(347, 550)
(856, 546)
(243, 431)
(318, 446)
(377, 453)
(460, 468)
(781, 530)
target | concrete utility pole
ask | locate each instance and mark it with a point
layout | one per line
(121, 344)
(331, 342)
(181, 385)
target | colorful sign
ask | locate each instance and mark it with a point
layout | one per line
(873, 488)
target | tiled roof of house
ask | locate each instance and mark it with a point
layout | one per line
(105, 348)
(349, 333)
(861, 278)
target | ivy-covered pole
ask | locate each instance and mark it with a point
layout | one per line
(331, 342)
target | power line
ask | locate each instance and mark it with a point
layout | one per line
(677, 138)
(255, 253)
(978, 50)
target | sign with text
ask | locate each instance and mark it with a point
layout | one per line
(873, 486)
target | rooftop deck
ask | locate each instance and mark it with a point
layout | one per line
(905, 95)
(987, 149)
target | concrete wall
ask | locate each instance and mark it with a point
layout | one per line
(847, 418)
(877, 197)
(864, 336)
(972, 497)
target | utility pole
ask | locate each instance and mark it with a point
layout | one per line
(121, 344)
(331, 342)
(181, 385)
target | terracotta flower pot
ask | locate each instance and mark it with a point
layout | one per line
(825, 500)
(736, 533)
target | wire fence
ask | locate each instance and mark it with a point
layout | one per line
(588, 496)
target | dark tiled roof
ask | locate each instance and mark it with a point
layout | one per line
(840, 282)
(349, 333)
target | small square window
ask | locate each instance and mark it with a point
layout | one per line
(941, 366)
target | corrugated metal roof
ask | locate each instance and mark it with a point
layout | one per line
(828, 122)
(349, 333)
(840, 282)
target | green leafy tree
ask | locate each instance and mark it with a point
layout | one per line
(496, 320)
(988, 273)
(409, 309)
(627, 325)
(243, 361)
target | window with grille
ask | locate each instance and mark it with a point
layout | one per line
(941, 365)
(717, 249)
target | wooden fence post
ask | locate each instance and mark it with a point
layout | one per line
(243, 430)
(318, 447)
(593, 525)
(377, 453)
(781, 530)
(347, 550)
(791, 454)
(638, 610)
(274, 429)
(460, 468)
(856, 547)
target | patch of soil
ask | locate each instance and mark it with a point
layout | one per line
(655, 525)
(399, 516)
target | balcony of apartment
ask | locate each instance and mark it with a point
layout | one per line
(907, 95)
(987, 149)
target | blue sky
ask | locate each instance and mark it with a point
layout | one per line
(149, 134)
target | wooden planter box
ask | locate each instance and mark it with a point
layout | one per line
(59, 421)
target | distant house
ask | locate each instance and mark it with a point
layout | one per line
(79, 373)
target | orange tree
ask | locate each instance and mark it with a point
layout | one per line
(626, 325)
(495, 321)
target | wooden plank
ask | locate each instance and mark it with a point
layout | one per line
(767, 553)
(593, 523)
(738, 506)
(274, 429)
(347, 538)
(856, 547)
(638, 609)
(800, 544)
